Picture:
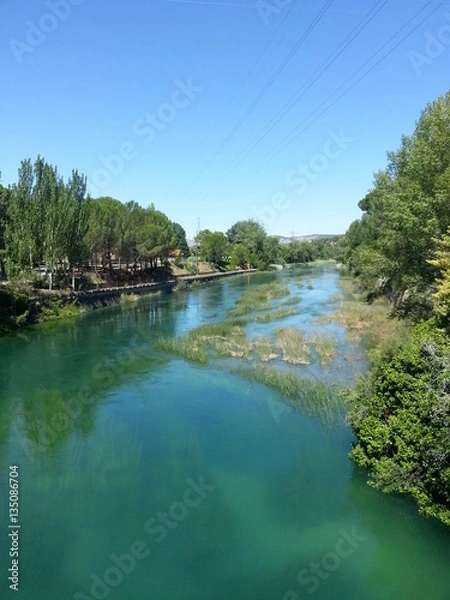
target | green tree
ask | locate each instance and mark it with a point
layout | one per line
(75, 244)
(103, 231)
(213, 246)
(251, 235)
(20, 238)
(405, 210)
(441, 260)
(4, 199)
(180, 242)
(271, 252)
(155, 237)
(400, 414)
(240, 257)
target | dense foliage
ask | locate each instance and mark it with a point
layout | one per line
(408, 207)
(400, 247)
(47, 224)
(305, 252)
(401, 416)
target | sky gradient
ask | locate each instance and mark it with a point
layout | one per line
(191, 104)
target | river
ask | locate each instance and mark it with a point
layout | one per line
(146, 476)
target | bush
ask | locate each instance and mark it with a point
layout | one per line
(400, 414)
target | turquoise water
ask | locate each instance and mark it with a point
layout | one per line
(144, 476)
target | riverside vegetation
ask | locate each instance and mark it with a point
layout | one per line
(54, 235)
(400, 250)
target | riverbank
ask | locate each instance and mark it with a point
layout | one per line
(23, 306)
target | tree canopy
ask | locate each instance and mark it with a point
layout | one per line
(390, 247)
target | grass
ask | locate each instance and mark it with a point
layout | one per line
(291, 301)
(311, 396)
(263, 349)
(297, 280)
(226, 338)
(128, 299)
(324, 346)
(259, 298)
(371, 323)
(279, 313)
(293, 345)
(57, 309)
(182, 347)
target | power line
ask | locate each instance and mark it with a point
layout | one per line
(274, 152)
(208, 163)
(305, 87)
(298, 133)
(270, 82)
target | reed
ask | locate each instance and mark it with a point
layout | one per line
(279, 313)
(312, 397)
(291, 301)
(263, 349)
(293, 345)
(325, 347)
(259, 298)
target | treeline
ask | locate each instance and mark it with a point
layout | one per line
(246, 243)
(391, 248)
(47, 221)
(50, 230)
(401, 248)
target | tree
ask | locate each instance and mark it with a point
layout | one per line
(407, 207)
(251, 235)
(180, 242)
(103, 231)
(400, 414)
(213, 246)
(20, 238)
(51, 202)
(4, 199)
(271, 253)
(77, 222)
(441, 260)
(155, 236)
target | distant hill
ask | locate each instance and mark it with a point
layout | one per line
(305, 238)
(296, 238)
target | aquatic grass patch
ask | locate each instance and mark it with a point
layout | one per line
(263, 349)
(325, 347)
(372, 323)
(291, 301)
(279, 313)
(298, 281)
(311, 396)
(182, 347)
(258, 298)
(226, 338)
(293, 345)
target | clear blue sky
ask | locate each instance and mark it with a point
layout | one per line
(184, 90)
